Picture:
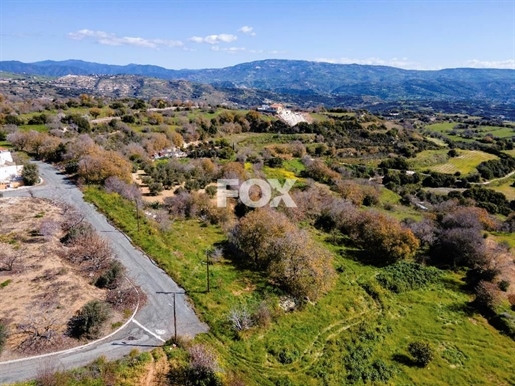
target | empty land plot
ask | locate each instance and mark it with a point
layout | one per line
(465, 163)
(496, 131)
(506, 188)
(40, 291)
(428, 158)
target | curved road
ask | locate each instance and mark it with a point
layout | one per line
(153, 323)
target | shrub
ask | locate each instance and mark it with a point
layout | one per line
(421, 352)
(383, 237)
(155, 188)
(263, 315)
(504, 285)
(487, 297)
(404, 276)
(89, 319)
(3, 335)
(30, 174)
(111, 277)
(211, 191)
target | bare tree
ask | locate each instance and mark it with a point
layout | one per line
(240, 318)
(72, 217)
(202, 357)
(49, 228)
(8, 259)
(91, 251)
(39, 334)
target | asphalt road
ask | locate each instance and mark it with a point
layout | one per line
(152, 324)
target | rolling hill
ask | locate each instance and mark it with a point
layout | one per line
(311, 78)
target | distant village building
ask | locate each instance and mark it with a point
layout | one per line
(169, 153)
(271, 109)
(9, 171)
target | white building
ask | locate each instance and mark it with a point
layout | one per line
(5, 157)
(9, 171)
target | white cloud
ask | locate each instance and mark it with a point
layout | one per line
(394, 62)
(111, 39)
(229, 50)
(247, 30)
(214, 39)
(503, 64)
(196, 39)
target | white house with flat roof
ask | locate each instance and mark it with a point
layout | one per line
(9, 171)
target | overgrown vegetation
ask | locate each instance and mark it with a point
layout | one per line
(372, 263)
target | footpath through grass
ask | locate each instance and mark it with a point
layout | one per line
(318, 344)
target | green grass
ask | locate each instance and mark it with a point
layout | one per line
(5, 144)
(260, 140)
(501, 132)
(5, 283)
(504, 186)
(445, 128)
(38, 128)
(315, 339)
(294, 165)
(126, 371)
(438, 161)
(436, 141)
(508, 238)
(428, 158)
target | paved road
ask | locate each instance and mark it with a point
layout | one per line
(152, 324)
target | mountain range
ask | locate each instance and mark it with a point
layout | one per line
(305, 78)
(302, 83)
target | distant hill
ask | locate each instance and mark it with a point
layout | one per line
(312, 80)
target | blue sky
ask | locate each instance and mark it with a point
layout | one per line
(206, 34)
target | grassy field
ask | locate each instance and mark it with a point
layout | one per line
(438, 161)
(501, 132)
(308, 347)
(505, 186)
(39, 128)
(437, 141)
(446, 128)
(258, 141)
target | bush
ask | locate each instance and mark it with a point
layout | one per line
(111, 277)
(30, 174)
(89, 319)
(404, 276)
(155, 188)
(487, 297)
(3, 335)
(211, 191)
(421, 352)
(504, 285)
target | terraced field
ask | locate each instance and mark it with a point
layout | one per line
(438, 161)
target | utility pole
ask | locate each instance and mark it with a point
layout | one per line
(174, 320)
(175, 315)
